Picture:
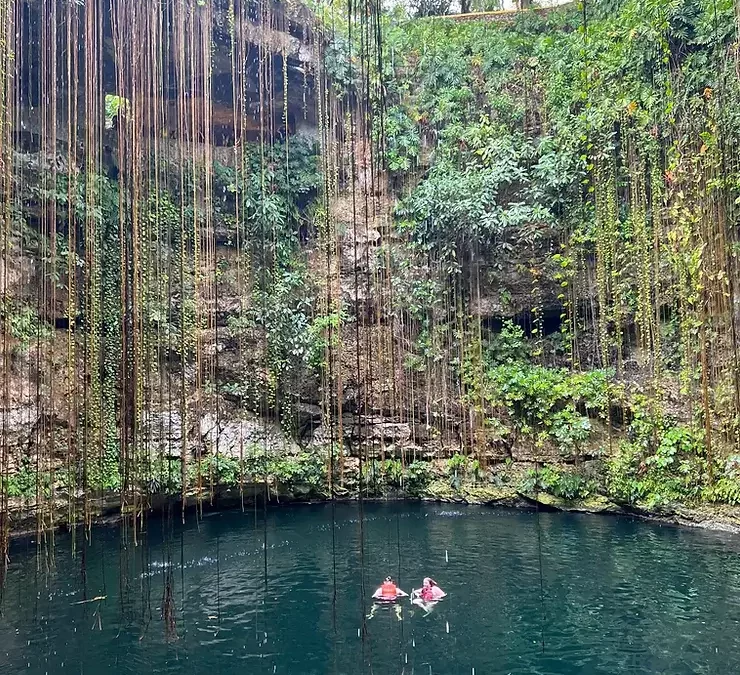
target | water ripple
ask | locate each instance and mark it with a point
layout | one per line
(286, 597)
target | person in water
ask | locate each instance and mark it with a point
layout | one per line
(428, 595)
(430, 590)
(387, 592)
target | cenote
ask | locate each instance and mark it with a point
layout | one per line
(615, 596)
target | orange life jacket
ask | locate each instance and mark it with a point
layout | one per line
(388, 590)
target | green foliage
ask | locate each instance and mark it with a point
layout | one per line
(488, 184)
(273, 196)
(306, 470)
(461, 468)
(725, 490)
(565, 484)
(275, 192)
(457, 464)
(27, 482)
(570, 430)
(472, 197)
(401, 137)
(508, 346)
(165, 477)
(660, 462)
(336, 58)
(323, 334)
(24, 324)
(546, 403)
(220, 469)
(283, 312)
(103, 472)
(430, 7)
(115, 106)
(418, 477)
(379, 476)
(294, 343)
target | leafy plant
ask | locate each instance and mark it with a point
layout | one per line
(307, 470)
(115, 106)
(508, 346)
(660, 463)
(461, 468)
(418, 477)
(378, 475)
(24, 483)
(568, 485)
(25, 325)
(401, 137)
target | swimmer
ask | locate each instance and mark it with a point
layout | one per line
(431, 590)
(388, 591)
(386, 594)
(428, 595)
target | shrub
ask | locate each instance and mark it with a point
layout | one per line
(378, 475)
(725, 490)
(544, 402)
(660, 464)
(567, 485)
(418, 477)
(304, 470)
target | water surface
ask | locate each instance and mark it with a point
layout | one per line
(283, 594)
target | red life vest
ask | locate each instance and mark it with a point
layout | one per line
(427, 593)
(388, 590)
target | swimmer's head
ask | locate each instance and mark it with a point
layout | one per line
(388, 579)
(427, 581)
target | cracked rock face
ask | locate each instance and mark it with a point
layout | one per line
(233, 438)
(236, 438)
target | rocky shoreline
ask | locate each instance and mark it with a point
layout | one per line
(717, 518)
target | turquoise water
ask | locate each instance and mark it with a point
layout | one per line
(618, 596)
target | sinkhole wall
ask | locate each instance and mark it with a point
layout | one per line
(257, 244)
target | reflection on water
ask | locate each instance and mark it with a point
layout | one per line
(287, 596)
